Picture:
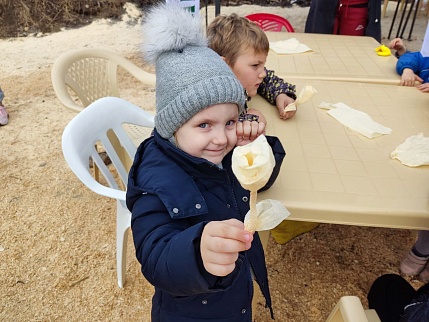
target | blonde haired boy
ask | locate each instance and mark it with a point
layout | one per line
(244, 47)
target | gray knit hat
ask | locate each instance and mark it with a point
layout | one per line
(189, 75)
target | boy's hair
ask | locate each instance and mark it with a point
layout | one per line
(230, 36)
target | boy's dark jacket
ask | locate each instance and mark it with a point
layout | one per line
(172, 195)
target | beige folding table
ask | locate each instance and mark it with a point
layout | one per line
(332, 174)
(333, 57)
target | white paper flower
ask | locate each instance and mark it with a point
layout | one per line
(304, 96)
(253, 164)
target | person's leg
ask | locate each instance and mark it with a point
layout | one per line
(421, 247)
(320, 19)
(351, 20)
(388, 296)
(417, 258)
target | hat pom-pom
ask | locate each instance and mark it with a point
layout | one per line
(169, 27)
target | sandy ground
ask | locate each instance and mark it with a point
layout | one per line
(57, 239)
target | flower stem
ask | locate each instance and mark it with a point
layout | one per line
(253, 215)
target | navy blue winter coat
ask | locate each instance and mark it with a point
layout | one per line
(416, 62)
(172, 196)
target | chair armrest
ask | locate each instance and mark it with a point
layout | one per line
(137, 72)
(60, 89)
(106, 191)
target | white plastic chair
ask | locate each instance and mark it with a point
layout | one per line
(91, 73)
(350, 309)
(95, 124)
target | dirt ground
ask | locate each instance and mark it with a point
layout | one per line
(57, 239)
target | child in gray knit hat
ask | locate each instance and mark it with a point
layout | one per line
(187, 206)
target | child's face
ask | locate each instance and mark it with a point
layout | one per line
(211, 133)
(249, 69)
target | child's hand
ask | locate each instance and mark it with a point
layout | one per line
(408, 78)
(398, 45)
(423, 87)
(221, 241)
(282, 100)
(248, 131)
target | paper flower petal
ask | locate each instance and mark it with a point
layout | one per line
(270, 213)
(253, 164)
(305, 95)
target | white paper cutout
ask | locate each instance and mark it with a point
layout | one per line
(413, 152)
(355, 120)
(289, 46)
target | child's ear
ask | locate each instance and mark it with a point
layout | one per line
(226, 61)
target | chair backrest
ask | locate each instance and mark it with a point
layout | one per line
(270, 22)
(91, 73)
(97, 123)
(192, 6)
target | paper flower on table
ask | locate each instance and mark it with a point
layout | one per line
(304, 96)
(413, 152)
(253, 165)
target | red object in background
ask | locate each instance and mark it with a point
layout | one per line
(270, 22)
(351, 18)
